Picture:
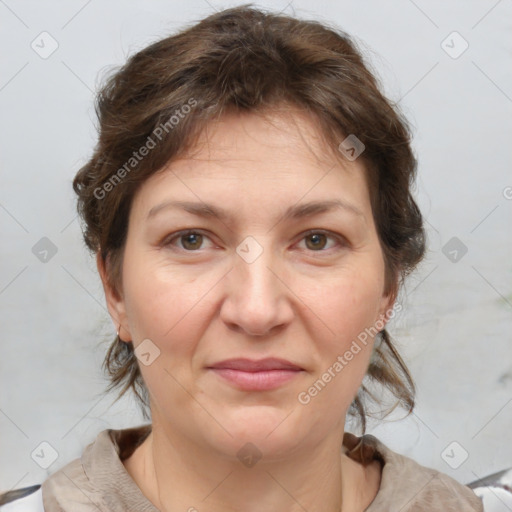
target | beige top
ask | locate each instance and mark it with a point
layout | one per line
(98, 481)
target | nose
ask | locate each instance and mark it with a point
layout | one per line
(257, 301)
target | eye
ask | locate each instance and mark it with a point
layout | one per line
(190, 240)
(317, 241)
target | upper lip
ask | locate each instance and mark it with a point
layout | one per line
(252, 365)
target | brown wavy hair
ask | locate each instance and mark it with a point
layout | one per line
(248, 60)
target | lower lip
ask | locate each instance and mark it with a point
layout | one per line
(256, 381)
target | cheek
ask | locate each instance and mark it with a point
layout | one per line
(163, 302)
(350, 303)
(349, 307)
(171, 309)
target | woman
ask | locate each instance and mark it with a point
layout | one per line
(249, 206)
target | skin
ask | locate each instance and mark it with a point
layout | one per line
(304, 299)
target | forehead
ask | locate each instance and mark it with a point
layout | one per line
(286, 134)
(270, 159)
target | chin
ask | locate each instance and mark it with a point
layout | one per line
(271, 430)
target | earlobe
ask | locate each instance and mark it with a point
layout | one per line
(114, 300)
(386, 310)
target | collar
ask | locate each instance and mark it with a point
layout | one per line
(98, 481)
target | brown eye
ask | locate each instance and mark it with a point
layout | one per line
(316, 241)
(191, 241)
(322, 242)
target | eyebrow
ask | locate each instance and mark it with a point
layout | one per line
(297, 211)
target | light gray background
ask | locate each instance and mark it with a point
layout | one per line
(455, 333)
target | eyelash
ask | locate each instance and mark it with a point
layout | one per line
(342, 242)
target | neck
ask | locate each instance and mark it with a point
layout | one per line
(176, 475)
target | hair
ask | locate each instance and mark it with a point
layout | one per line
(245, 60)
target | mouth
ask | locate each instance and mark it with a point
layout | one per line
(260, 375)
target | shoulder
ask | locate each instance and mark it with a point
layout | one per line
(98, 480)
(408, 486)
(27, 499)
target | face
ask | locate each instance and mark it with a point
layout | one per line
(227, 257)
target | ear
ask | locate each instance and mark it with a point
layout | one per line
(115, 302)
(387, 310)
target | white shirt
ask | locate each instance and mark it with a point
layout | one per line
(31, 503)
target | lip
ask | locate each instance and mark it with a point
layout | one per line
(256, 375)
(252, 365)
